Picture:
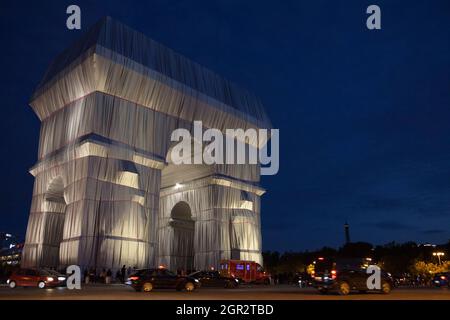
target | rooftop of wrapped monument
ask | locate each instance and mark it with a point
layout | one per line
(106, 194)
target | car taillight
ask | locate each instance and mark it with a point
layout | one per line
(333, 274)
(50, 279)
(134, 278)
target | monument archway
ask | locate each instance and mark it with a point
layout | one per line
(53, 217)
(108, 106)
(182, 250)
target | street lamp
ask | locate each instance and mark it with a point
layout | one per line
(439, 255)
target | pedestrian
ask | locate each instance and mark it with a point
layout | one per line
(93, 275)
(86, 276)
(129, 270)
(123, 270)
(108, 276)
(118, 275)
(103, 276)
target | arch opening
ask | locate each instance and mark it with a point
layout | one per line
(182, 250)
(55, 191)
(54, 222)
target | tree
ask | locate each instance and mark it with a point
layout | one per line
(271, 260)
(429, 269)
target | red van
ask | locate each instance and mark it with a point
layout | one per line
(35, 278)
(245, 271)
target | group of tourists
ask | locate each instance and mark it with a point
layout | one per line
(106, 275)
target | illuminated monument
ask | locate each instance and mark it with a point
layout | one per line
(106, 193)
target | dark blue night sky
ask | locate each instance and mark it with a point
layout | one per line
(363, 115)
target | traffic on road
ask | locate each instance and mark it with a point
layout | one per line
(329, 279)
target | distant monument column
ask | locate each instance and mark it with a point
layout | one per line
(347, 232)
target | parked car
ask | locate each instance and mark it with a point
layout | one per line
(214, 279)
(35, 278)
(160, 278)
(441, 279)
(345, 275)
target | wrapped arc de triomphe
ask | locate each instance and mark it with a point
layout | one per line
(106, 193)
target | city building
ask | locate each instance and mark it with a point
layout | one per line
(10, 249)
(11, 256)
(7, 240)
(106, 192)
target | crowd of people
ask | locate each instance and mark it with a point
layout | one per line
(106, 275)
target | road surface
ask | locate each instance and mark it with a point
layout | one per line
(280, 292)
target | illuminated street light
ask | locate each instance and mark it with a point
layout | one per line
(439, 255)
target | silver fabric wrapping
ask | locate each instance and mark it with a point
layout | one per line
(105, 191)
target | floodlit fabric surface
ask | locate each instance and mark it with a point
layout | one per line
(122, 45)
(220, 226)
(105, 189)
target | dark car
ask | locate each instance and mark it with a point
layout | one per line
(441, 279)
(214, 279)
(345, 275)
(150, 279)
(35, 278)
(62, 278)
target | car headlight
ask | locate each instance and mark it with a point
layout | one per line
(196, 280)
(7, 281)
(50, 279)
(61, 278)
